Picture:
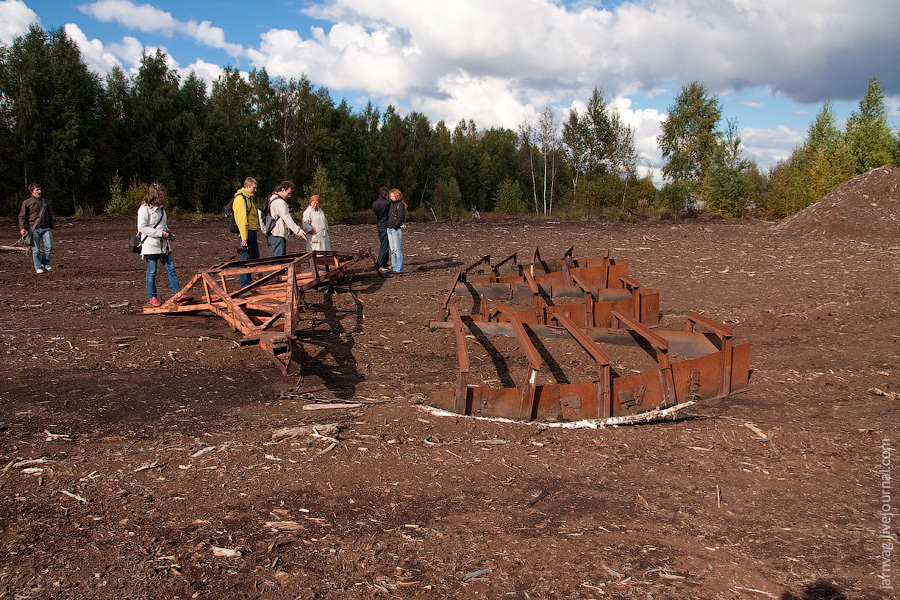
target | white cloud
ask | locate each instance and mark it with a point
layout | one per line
(130, 50)
(646, 124)
(149, 19)
(142, 17)
(208, 72)
(633, 47)
(770, 146)
(15, 17)
(96, 57)
(488, 101)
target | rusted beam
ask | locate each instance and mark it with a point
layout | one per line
(462, 355)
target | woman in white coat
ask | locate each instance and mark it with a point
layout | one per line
(155, 237)
(316, 226)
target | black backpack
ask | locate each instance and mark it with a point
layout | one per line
(229, 215)
(267, 223)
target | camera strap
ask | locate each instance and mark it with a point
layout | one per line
(143, 238)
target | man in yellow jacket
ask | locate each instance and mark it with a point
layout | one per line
(247, 219)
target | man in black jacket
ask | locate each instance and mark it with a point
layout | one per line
(36, 218)
(382, 208)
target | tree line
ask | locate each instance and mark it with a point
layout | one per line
(94, 143)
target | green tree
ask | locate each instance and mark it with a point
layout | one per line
(789, 189)
(871, 142)
(726, 187)
(188, 154)
(509, 199)
(498, 149)
(820, 164)
(548, 145)
(425, 157)
(599, 146)
(50, 100)
(447, 200)
(113, 140)
(361, 167)
(827, 158)
(466, 163)
(575, 142)
(232, 127)
(151, 109)
(332, 195)
(600, 134)
(394, 133)
(689, 141)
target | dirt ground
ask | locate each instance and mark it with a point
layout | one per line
(140, 456)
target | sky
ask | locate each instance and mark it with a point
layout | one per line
(772, 64)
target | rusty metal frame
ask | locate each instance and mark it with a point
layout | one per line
(268, 310)
(602, 284)
(708, 364)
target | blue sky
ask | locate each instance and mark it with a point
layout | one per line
(771, 63)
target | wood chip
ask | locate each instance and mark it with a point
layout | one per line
(202, 451)
(284, 525)
(321, 429)
(760, 436)
(75, 496)
(877, 392)
(226, 552)
(29, 462)
(475, 574)
(331, 406)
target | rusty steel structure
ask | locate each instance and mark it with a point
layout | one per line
(700, 361)
(268, 310)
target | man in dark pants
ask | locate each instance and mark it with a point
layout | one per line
(382, 208)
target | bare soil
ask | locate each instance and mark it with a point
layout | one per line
(140, 456)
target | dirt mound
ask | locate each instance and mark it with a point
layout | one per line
(865, 209)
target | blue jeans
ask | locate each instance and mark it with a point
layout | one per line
(277, 245)
(395, 239)
(37, 236)
(384, 250)
(169, 265)
(252, 252)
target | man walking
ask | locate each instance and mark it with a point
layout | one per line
(36, 217)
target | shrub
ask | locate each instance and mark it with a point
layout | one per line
(118, 203)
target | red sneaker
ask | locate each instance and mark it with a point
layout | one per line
(184, 298)
(154, 301)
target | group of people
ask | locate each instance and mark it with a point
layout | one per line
(390, 221)
(247, 216)
(36, 224)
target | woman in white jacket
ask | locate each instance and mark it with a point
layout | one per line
(316, 226)
(155, 237)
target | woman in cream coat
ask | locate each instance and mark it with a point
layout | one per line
(316, 226)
